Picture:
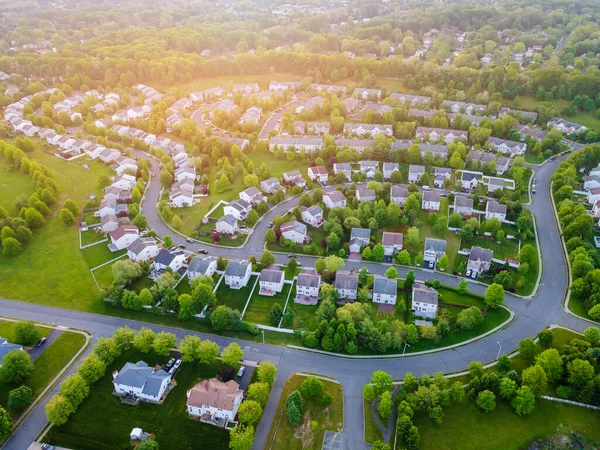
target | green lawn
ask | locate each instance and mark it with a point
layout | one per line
(284, 436)
(104, 276)
(141, 283)
(90, 236)
(169, 422)
(260, 306)
(588, 119)
(372, 432)
(48, 365)
(508, 248)
(13, 183)
(99, 254)
(235, 298)
(7, 330)
(304, 315)
(577, 306)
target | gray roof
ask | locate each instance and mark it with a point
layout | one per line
(494, 207)
(442, 171)
(240, 205)
(461, 200)
(252, 191)
(335, 196)
(365, 193)
(480, 254)
(200, 264)
(437, 245)
(166, 256)
(228, 218)
(385, 286)
(444, 131)
(424, 294)
(237, 268)
(351, 143)
(346, 280)
(293, 225)
(313, 210)
(468, 176)
(432, 196)
(360, 233)
(387, 166)
(6, 347)
(309, 278)
(369, 164)
(271, 274)
(140, 244)
(140, 375)
(399, 191)
(285, 141)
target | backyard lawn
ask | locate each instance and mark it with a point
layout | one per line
(508, 248)
(285, 436)
(304, 315)
(90, 236)
(235, 298)
(13, 183)
(260, 306)
(104, 276)
(169, 422)
(99, 254)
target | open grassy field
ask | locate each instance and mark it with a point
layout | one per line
(508, 248)
(260, 305)
(284, 436)
(588, 119)
(169, 422)
(13, 183)
(235, 298)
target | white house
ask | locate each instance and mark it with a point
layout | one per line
(312, 215)
(434, 249)
(295, 231)
(365, 195)
(294, 178)
(385, 290)
(172, 258)
(201, 265)
(109, 223)
(470, 180)
(251, 195)
(107, 206)
(109, 155)
(251, 116)
(143, 249)
(141, 381)
(593, 196)
(480, 260)
(284, 85)
(345, 168)
(493, 209)
(227, 224)
(463, 205)
(415, 173)
(512, 148)
(270, 185)
(389, 168)
(123, 236)
(359, 238)
(334, 199)
(367, 94)
(181, 198)
(237, 274)
(566, 126)
(369, 168)
(392, 242)
(308, 284)
(309, 104)
(124, 182)
(346, 283)
(214, 402)
(238, 209)
(271, 281)
(440, 175)
(591, 182)
(367, 129)
(398, 194)
(360, 145)
(424, 301)
(431, 200)
(124, 163)
(318, 173)
(435, 134)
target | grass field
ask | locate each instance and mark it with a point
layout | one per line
(13, 183)
(235, 298)
(104, 276)
(90, 236)
(260, 306)
(372, 431)
(304, 315)
(508, 248)
(48, 365)
(588, 119)
(169, 422)
(331, 418)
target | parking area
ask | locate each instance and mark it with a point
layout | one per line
(333, 441)
(244, 380)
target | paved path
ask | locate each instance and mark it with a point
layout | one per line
(35, 352)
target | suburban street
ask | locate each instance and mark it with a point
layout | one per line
(532, 315)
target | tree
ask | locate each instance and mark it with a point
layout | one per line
(384, 408)
(249, 412)
(5, 424)
(187, 307)
(140, 221)
(16, 366)
(524, 401)
(106, 349)
(592, 334)
(241, 437)
(403, 258)
(26, 333)
(58, 410)
(148, 444)
(508, 388)
(219, 318)
(75, 389)
(326, 399)
(413, 438)
(125, 271)
(259, 392)
(164, 342)
(391, 273)
(469, 318)
(527, 348)
(443, 263)
(266, 372)
(413, 238)
(382, 382)
(378, 252)
(379, 445)
(11, 247)
(503, 363)
(266, 259)
(66, 217)
(19, 398)
(293, 407)
(91, 369)
(312, 387)
(486, 401)
(123, 336)
(203, 295)
(34, 218)
(334, 263)
(208, 352)
(494, 295)
(270, 236)
(275, 314)
(167, 241)
(552, 364)
(72, 206)
(504, 279)
(463, 286)
(232, 354)
(292, 265)
(580, 372)
(545, 336)
(144, 339)
(535, 378)
(189, 348)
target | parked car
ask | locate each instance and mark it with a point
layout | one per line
(41, 342)
(203, 251)
(190, 240)
(241, 371)
(291, 255)
(182, 246)
(47, 447)
(177, 364)
(169, 364)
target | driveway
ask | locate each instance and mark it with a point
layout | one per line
(244, 380)
(35, 352)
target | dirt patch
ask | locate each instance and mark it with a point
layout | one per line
(304, 432)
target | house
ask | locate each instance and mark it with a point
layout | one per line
(463, 205)
(227, 225)
(334, 199)
(201, 265)
(169, 258)
(6, 347)
(360, 145)
(392, 242)
(385, 290)
(398, 194)
(345, 168)
(293, 178)
(415, 173)
(494, 183)
(433, 251)
(493, 209)
(284, 85)
(124, 182)
(479, 261)
(368, 129)
(435, 134)
(440, 175)
(470, 180)
(414, 112)
(351, 104)
(109, 223)
(367, 94)
(591, 182)
(375, 108)
(251, 116)
(107, 206)
(238, 209)
(298, 144)
(369, 168)
(312, 215)
(295, 231)
(346, 283)
(123, 236)
(141, 381)
(181, 198)
(271, 281)
(251, 195)
(411, 99)
(237, 274)
(319, 128)
(365, 195)
(270, 185)
(462, 107)
(226, 106)
(241, 143)
(523, 116)
(308, 284)
(431, 200)
(309, 105)
(566, 126)
(359, 238)
(329, 88)
(536, 133)
(424, 301)
(506, 147)
(109, 155)
(389, 168)
(246, 88)
(318, 173)
(596, 210)
(214, 402)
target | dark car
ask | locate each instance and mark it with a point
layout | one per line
(182, 246)
(41, 342)
(203, 251)
(291, 255)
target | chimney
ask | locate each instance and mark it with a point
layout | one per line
(115, 373)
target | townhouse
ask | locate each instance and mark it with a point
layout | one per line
(493, 209)
(463, 205)
(334, 199)
(385, 290)
(392, 242)
(398, 194)
(298, 144)
(366, 129)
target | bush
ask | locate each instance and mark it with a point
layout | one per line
(312, 387)
(20, 398)
(26, 333)
(326, 399)
(293, 408)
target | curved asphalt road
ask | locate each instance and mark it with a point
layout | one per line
(531, 317)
